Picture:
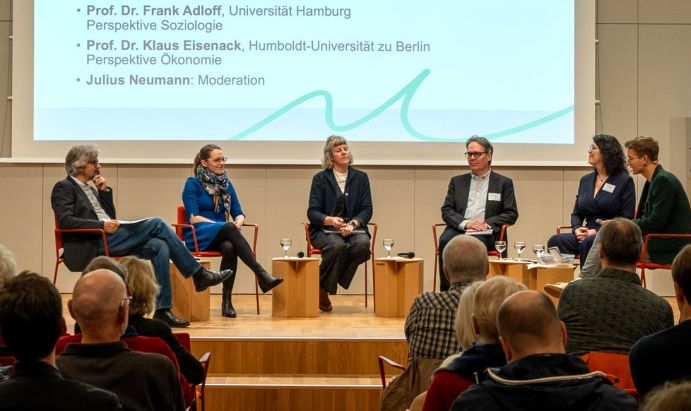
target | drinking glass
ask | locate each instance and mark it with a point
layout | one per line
(519, 246)
(285, 244)
(538, 250)
(388, 245)
(500, 246)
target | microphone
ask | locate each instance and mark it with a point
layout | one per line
(300, 254)
(408, 254)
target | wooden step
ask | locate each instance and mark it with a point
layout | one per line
(293, 392)
(291, 356)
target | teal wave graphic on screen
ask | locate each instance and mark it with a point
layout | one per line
(406, 93)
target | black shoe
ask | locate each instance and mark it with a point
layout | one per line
(169, 318)
(324, 302)
(267, 281)
(227, 309)
(204, 278)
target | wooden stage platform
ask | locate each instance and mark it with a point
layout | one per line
(259, 362)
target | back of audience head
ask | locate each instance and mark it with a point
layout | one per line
(103, 262)
(8, 266)
(142, 284)
(463, 323)
(488, 299)
(100, 304)
(620, 243)
(681, 274)
(528, 324)
(465, 259)
(671, 396)
(30, 316)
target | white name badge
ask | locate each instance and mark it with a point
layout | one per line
(494, 196)
(609, 187)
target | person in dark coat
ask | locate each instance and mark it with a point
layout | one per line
(340, 206)
(30, 322)
(538, 374)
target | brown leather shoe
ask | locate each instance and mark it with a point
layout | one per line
(324, 302)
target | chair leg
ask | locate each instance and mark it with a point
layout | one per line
(256, 293)
(434, 282)
(55, 272)
(374, 289)
(643, 277)
(365, 284)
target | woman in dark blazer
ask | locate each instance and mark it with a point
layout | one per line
(340, 206)
(606, 193)
(213, 208)
(143, 287)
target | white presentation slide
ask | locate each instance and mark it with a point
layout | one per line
(374, 70)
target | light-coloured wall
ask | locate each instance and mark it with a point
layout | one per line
(644, 86)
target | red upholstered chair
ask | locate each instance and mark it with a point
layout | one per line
(502, 237)
(616, 366)
(205, 359)
(644, 262)
(7, 360)
(373, 227)
(181, 225)
(59, 245)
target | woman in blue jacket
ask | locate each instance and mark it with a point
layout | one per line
(340, 206)
(606, 193)
(214, 209)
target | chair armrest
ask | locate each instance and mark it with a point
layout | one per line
(194, 234)
(661, 236)
(561, 228)
(382, 360)
(100, 231)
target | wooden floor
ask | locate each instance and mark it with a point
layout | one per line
(348, 320)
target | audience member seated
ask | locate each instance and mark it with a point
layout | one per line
(8, 267)
(143, 287)
(430, 326)
(666, 356)
(477, 201)
(84, 200)
(450, 380)
(611, 311)
(465, 335)
(669, 397)
(604, 194)
(30, 317)
(538, 374)
(663, 207)
(142, 381)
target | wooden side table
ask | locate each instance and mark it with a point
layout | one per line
(298, 295)
(187, 302)
(549, 275)
(397, 282)
(518, 270)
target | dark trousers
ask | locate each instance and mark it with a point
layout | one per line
(230, 242)
(340, 258)
(568, 244)
(448, 234)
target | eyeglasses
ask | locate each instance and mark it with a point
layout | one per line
(94, 162)
(474, 154)
(219, 160)
(126, 299)
(592, 147)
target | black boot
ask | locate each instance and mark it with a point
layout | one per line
(266, 280)
(227, 309)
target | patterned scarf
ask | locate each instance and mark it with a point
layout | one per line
(217, 187)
